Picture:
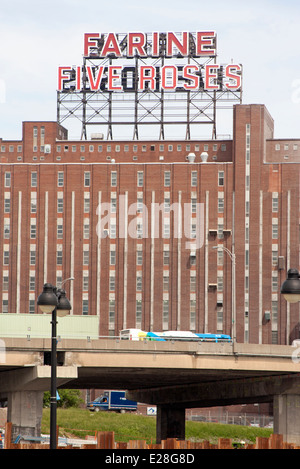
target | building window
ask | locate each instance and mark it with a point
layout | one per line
(194, 179)
(5, 282)
(139, 257)
(31, 306)
(140, 178)
(166, 314)
(86, 256)
(7, 179)
(221, 178)
(167, 179)
(85, 307)
(275, 228)
(32, 258)
(193, 315)
(32, 282)
(4, 306)
(60, 230)
(85, 283)
(87, 179)
(60, 179)
(192, 283)
(138, 313)
(5, 257)
(275, 203)
(112, 259)
(7, 203)
(59, 257)
(113, 204)
(112, 282)
(86, 205)
(114, 178)
(86, 228)
(33, 203)
(139, 283)
(166, 282)
(6, 228)
(220, 204)
(34, 179)
(111, 312)
(33, 228)
(60, 205)
(166, 257)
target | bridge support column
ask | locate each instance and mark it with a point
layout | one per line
(170, 423)
(24, 411)
(286, 411)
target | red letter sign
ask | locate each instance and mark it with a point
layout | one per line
(88, 43)
(193, 78)
(233, 73)
(150, 78)
(136, 41)
(62, 77)
(205, 43)
(211, 75)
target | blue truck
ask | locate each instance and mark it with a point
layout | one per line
(112, 400)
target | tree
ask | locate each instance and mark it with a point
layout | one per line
(66, 398)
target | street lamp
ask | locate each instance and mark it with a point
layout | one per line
(53, 300)
(232, 257)
(290, 288)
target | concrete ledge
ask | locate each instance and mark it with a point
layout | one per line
(35, 378)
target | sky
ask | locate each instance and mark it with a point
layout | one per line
(37, 36)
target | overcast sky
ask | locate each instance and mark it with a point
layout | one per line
(37, 36)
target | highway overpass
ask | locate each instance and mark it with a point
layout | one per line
(171, 375)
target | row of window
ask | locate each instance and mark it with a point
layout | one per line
(135, 148)
(117, 148)
(286, 146)
(114, 178)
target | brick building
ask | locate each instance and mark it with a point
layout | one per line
(135, 223)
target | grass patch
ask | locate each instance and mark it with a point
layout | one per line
(80, 422)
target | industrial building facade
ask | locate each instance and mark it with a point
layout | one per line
(135, 223)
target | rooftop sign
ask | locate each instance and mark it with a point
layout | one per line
(151, 70)
(174, 76)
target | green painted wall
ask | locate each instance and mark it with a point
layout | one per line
(39, 325)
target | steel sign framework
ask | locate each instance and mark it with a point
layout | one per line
(137, 79)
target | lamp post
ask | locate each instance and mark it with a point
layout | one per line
(232, 257)
(290, 288)
(53, 300)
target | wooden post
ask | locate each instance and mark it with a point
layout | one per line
(105, 440)
(225, 443)
(8, 430)
(262, 443)
(275, 441)
(137, 444)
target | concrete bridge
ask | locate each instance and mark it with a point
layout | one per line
(171, 375)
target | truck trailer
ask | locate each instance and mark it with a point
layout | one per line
(112, 400)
